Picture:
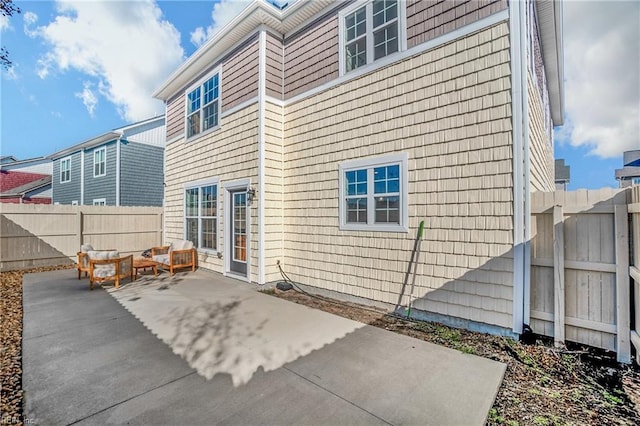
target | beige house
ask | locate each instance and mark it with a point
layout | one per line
(319, 135)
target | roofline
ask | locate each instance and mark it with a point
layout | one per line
(553, 54)
(8, 193)
(139, 123)
(256, 13)
(98, 140)
(28, 160)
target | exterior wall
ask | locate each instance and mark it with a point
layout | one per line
(153, 133)
(311, 56)
(429, 19)
(175, 117)
(103, 186)
(274, 191)
(65, 193)
(542, 175)
(141, 175)
(274, 67)
(229, 153)
(26, 200)
(449, 110)
(240, 77)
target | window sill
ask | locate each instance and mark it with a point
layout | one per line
(194, 138)
(207, 251)
(374, 228)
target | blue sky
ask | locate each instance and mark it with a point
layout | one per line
(82, 68)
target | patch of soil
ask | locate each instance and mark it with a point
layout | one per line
(11, 393)
(543, 385)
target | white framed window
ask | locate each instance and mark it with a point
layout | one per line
(201, 215)
(65, 170)
(203, 105)
(370, 31)
(100, 162)
(99, 201)
(374, 194)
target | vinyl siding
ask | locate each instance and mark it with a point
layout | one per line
(175, 117)
(274, 191)
(428, 19)
(153, 133)
(542, 167)
(141, 175)
(449, 110)
(65, 193)
(103, 186)
(229, 153)
(311, 57)
(240, 76)
(274, 67)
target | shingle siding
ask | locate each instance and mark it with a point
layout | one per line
(141, 177)
(449, 109)
(274, 67)
(65, 193)
(240, 76)
(102, 186)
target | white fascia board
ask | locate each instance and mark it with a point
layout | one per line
(550, 15)
(98, 140)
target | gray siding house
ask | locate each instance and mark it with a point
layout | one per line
(122, 167)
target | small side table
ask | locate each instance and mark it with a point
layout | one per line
(144, 263)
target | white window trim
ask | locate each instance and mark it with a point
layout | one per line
(200, 184)
(74, 202)
(200, 82)
(402, 35)
(402, 160)
(95, 151)
(99, 201)
(61, 161)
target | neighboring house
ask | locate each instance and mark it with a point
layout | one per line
(629, 174)
(25, 181)
(563, 175)
(123, 167)
(317, 137)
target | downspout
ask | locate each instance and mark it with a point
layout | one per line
(526, 308)
(81, 177)
(518, 169)
(262, 72)
(118, 142)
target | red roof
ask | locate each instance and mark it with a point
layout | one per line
(10, 179)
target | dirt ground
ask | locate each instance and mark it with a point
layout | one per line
(542, 385)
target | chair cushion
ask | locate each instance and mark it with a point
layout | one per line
(161, 258)
(86, 248)
(103, 271)
(181, 245)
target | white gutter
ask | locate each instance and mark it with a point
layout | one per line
(262, 93)
(81, 177)
(518, 173)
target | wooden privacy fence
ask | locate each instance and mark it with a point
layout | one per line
(580, 287)
(41, 235)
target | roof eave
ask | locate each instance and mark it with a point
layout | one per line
(550, 24)
(98, 140)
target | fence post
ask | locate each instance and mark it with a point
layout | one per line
(558, 275)
(79, 228)
(623, 304)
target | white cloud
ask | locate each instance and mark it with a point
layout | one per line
(127, 47)
(602, 75)
(222, 12)
(10, 73)
(4, 22)
(89, 99)
(29, 19)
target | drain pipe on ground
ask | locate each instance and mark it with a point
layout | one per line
(415, 268)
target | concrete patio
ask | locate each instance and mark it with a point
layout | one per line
(227, 354)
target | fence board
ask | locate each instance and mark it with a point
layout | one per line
(41, 235)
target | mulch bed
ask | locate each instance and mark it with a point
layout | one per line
(543, 385)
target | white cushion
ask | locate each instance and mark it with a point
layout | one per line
(86, 248)
(161, 258)
(181, 245)
(103, 271)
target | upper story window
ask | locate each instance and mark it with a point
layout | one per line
(100, 162)
(65, 170)
(374, 194)
(369, 32)
(203, 105)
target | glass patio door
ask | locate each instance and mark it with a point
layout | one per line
(238, 231)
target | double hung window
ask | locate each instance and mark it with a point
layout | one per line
(65, 170)
(373, 194)
(201, 216)
(203, 105)
(100, 162)
(370, 32)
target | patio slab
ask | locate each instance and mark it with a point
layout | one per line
(231, 355)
